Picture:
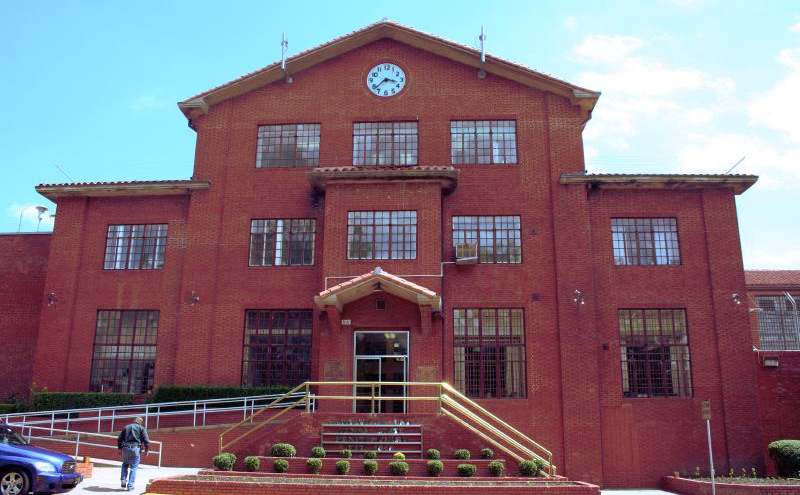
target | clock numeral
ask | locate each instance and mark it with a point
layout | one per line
(397, 73)
(396, 86)
(374, 86)
(374, 74)
(392, 90)
(370, 79)
(387, 67)
(385, 93)
(402, 79)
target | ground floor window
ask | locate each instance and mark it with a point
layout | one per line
(277, 347)
(489, 352)
(779, 322)
(655, 353)
(124, 355)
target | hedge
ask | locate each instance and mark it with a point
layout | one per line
(8, 408)
(786, 455)
(179, 393)
(53, 401)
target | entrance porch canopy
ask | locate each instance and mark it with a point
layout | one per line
(363, 285)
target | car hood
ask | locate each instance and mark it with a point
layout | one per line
(37, 453)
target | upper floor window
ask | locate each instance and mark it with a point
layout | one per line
(135, 247)
(288, 145)
(385, 143)
(497, 237)
(381, 235)
(645, 241)
(483, 141)
(489, 352)
(284, 242)
(655, 353)
(277, 347)
(124, 356)
(779, 322)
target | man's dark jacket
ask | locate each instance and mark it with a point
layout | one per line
(133, 435)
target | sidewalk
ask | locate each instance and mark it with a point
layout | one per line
(105, 479)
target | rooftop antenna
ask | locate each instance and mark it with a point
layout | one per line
(482, 38)
(736, 164)
(42, 210)
(284, 47)
(65, 174)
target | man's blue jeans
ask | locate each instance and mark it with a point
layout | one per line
(130, 460)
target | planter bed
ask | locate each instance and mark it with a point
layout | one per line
(352, 475)
(275, 484)
(732, 486)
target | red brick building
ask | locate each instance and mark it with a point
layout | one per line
(390, 207)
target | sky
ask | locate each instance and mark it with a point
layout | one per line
(688, 86)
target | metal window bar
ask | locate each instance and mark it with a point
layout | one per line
(382, 235)
(288, 145)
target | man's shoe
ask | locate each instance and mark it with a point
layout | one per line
(124, 485)
(130, 488)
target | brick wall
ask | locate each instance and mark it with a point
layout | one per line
(779, 394)
(695, 487)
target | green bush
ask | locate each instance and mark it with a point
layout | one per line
(461, 454)
(346, 453)
(314, 465)
(370, 454)
(370, 467)
(283, 450)
(433, 454)
(225, 462)
(280, 465)
(496, 468)
(786, 456)
(435, 468)
(466, 470)
(398, 468)
(486, 453)
(399, 456)
(252, 463)
(532, 468)
(53, 401)
(8, 408)
(180, 393)
(318, 452)
(343, 467)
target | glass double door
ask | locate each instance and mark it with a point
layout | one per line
(381, 358)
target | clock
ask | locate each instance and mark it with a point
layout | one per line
(386, 80)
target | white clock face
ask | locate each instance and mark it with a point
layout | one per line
(386, 80)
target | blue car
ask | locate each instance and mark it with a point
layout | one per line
(25, 468)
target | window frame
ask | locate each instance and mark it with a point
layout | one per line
(479, 238)
(508, 158)
(119, 346)
(669, 245)
(780, 323)
(285, 243)
(262, 150)
(286, 358)
(633, 370)
(390, 233)
(365, 158)
(158, 250)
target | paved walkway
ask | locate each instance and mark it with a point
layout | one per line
(635, 491)
(105, 479)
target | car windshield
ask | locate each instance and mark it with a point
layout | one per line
(11, 437)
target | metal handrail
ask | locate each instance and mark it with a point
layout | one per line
(461, 412)
(77, 441)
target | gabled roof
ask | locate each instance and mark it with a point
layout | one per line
(199, 104)
(126, 188)
(738, 182)
(363, 285)
(772, 278)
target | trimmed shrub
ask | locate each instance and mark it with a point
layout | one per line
(224, 462)
(50, 401)
(398, 468)
(346, 453)
(343, 467)
(281, 465)
(399, 456)
(487, 453)
(370, 454)
(532, 468)
(433, 454)
(179, 393)
(466, 470)
(370, 467)
(496, 468)
(283, 450)
(435, 468)
(461, 454)
(318, 452)
(786, 456)
(8, 408)
(252, 463)
(314, 465)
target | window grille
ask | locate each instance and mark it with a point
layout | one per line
(483, 142)
(288, 145)
(778, 323)
(497, 237)
(135, 247)
(645, 241)
(282, 242)
(382, 235)
(385, 143)
(277, 347)
(124, 353)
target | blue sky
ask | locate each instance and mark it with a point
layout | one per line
(689, 86)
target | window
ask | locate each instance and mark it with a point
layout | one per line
(288, 145)
(645, 241)
(135, 247)
(382, 235)
(489, 352)
(483, 142)
(778, 322)
(385, 143)
(497, 238)
(655, 353)
(124, 355)
(277, 347)
(288, 242)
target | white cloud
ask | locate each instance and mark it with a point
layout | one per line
(795, 28)
(601, 48)
(774, 260)
(147, 102)
(571, 23)
(27, 217)
(778, 107)
(686, 4)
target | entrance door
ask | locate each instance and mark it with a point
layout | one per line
(380, 357)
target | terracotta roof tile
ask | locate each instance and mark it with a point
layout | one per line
(378, 274)
(778, 278)
(117, 183)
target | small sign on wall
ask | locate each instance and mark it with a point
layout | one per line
(346, 323)
(705, 410)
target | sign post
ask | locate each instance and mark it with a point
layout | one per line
(705, 412)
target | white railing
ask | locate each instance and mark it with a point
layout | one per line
(79, 439)
(200, 410)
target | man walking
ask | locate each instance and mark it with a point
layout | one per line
(132, 439)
